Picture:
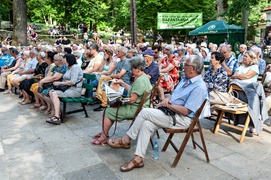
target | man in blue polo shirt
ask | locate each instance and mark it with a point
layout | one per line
(152, 69)
(185, 101)
(6, 59)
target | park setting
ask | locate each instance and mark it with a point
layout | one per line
(133, 89)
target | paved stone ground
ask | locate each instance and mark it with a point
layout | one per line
(33, 149)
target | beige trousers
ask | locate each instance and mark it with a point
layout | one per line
(3, 79)
(147, 122)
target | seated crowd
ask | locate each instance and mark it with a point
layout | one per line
(39, 71)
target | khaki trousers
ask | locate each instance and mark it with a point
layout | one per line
(147, 122)
(3, 79)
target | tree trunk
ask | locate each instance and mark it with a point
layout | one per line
(133, 21)
(19, 22)
(221, 6)
(245, 14)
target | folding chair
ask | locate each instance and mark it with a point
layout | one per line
(194, 127)
(144, 99)
(222, 109)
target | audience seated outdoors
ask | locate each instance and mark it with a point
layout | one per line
(128, 109)
(39, 72)
(39, 76)
(73, 77)
(168, 68)
(16, 63)
(46, 84)
(185, 101)
(26, 68)
(216, 77)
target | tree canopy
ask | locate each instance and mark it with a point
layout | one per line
(99, 14)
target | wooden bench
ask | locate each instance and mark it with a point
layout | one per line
(83, 100)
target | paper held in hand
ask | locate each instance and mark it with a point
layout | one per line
(113, 91)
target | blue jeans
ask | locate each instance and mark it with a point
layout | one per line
(94, 83)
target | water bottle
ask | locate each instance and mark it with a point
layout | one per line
(155, 150)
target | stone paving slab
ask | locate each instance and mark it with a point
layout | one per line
(32, 149)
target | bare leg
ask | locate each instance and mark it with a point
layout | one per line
(56, 103)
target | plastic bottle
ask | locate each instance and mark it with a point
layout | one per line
(155, 150)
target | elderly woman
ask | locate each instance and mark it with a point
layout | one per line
(248, 72)
(26, 84)
(170, 71)
(45, 84)
(136, 91)
(216, 77)
(14, 78)
(73, 77)
(40, 103)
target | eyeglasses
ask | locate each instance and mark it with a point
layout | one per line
(156, 52)
(166, 49)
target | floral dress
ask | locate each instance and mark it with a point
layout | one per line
(218, 81)
(171, 79)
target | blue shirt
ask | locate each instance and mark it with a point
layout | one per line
(153, 71)
(190, 95)
(6, 60)
(262, 66)
(232, 63)
(31, 64)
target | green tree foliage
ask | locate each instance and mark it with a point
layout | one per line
(236, 10)
(5, 7)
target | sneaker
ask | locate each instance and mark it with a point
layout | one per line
(95, 101)
(100, 108)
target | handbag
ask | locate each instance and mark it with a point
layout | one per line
(169, 112)
(217, 97)
(62, 87)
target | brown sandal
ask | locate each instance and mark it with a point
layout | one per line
(125, 168)
(118, 143)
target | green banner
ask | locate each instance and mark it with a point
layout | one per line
(179, 20)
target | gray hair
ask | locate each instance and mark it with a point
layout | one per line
(42, 54)
(195, 51)
(256, 50)
(132, 51)
(243, 45)
(197, 62)
(226, 47)
(34, 51)
(138, 63)
(215, 45)
(170, 47)
(26, 53)
(124, 50)
(58, 57)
